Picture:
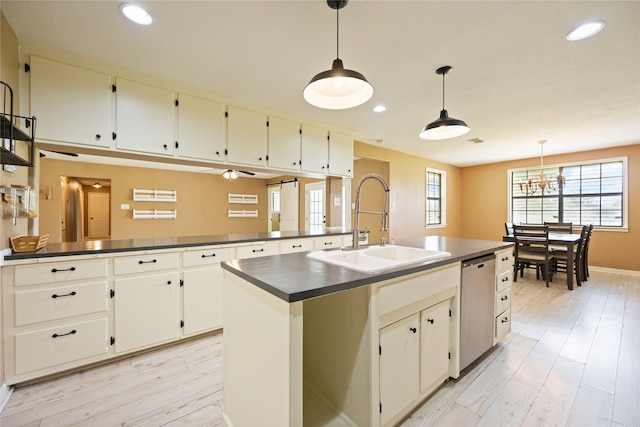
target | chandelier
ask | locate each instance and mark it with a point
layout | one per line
(541, 181)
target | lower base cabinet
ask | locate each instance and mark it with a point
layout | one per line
(202, 299)
(147, 310)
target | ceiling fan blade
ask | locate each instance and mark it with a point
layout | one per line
(66, 153)
(248, 173)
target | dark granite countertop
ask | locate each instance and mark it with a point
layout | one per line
(295, 277)
(125, 245)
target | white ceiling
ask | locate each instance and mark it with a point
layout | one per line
(515, 79)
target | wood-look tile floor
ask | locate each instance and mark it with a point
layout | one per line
(572, 359)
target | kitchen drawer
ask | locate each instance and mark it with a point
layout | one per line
(59, 271)
(503, 281)
(503, 301)
(60, 302)
(62, 344)
(503, 324)
(145, 263)
(206, 256)
(504, 261)
(327, 242)
(254, 251)
(397, 295)
(290, 246)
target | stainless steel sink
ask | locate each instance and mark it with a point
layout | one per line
(378, 258)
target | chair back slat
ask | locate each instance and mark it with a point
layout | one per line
(560, 227)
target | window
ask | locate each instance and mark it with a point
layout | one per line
(315, 206)
(586, 193)
(436, 202)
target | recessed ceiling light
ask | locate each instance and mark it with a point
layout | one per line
(379, 108)
(136, 13)
(585, 30)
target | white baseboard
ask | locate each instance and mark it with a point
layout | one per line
(5, 394)
(615, 270)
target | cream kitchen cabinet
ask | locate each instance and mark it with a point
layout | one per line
(314, 149)
(145, 118)
(246, 137)
(200, 128)
(257, 249)
(435, 348)
(502, 306)
(202, 288)
(340, 154)
(327, 242)
(72, 104)
(289, 246)
(284, 144)
(55, 315)
(147, 310)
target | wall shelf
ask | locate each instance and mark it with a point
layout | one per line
(140, 195)
(154, 214)
(242, 214)
(9, 130)
(249, 199)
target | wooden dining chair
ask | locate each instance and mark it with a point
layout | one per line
(585, 258)
(532, 248)
(578, 268)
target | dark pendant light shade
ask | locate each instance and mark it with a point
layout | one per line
(444, 127)
(337, 88)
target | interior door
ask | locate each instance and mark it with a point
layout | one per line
(289, 206)
(315, 217)
(98, 215)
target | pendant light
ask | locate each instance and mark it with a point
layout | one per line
(338, 88)
(445, 127)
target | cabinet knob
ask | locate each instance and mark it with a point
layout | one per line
(98, 136)
(168, 282)
(260, 158)
(164, 146)
(430, 321)
(414, 330)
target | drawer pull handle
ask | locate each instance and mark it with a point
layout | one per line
(258, 250)
(147, 262)
(414, 330)
(70, 294)
(328, 243)
(504, 298)
(505, 258)
(430, 321)
(505, 320)
(505, 279)
(296, 246)
(205, 256)
(56, 270)
(73, 331)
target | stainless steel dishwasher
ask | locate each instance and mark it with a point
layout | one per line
(477, 294)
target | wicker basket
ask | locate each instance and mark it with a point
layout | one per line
(28, 243)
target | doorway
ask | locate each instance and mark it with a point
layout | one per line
(284, 206)
(315, 219)
(86, 209)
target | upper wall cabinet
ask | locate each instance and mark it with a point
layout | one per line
(284, 144)
(200, 128)
(144, 118)
(72, 104)
(246, 137)
(314, 149)
(340, 154)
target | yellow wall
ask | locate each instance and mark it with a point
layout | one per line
(407, 180)
(485, 207)
(202, 200)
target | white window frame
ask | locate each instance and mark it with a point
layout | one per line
(625, 188)
(443, 198)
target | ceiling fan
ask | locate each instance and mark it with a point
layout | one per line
(232, 174)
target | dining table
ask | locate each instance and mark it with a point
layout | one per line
(560, 239)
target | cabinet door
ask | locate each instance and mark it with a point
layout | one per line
(146, 310)
(284, 144)
(340, 154)
(200, 128)
(434, 345)
(71, 104)
(202, 296)
(246, 137)
(399, 358)
(144, 118)
(314, 149)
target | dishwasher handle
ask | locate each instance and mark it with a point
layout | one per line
(479, 262)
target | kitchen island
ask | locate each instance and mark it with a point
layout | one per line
(310, 343)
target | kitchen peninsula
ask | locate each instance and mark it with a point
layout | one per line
(311, 343)
(70, 305)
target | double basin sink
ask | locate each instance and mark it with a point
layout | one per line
(374, 259)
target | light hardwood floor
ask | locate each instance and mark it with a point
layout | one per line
(572, 359)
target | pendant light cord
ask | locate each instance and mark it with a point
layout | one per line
(338, 33)
(443, 74)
